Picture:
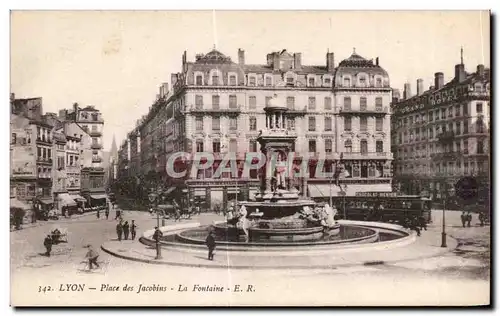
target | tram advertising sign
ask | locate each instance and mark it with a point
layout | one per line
(376, 194)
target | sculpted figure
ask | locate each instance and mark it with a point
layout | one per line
(280, 172)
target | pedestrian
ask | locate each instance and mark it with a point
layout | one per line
(92, 256)
(415, 225)
(422, 222)
(469, 219)
(48, 245)
(98, 213)
(481, 218)
(133, 229)
(463, 217)
(157, 234)
(210, 241)
(126, 230)
(118, 214)
(106, 212)
(119, 230)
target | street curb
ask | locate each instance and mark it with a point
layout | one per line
(298, 267)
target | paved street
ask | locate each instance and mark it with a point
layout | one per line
(350, 285)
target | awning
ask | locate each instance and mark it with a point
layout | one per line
(15, 203)
(99, 196)
(77, 197)
(46, 201)
(66, 199)
(323, 190)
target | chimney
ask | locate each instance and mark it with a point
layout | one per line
(480, 70)
(376, 61)
(165, 88)
(297, 60)
(241, 56)
(460, 72)
(407, 91)
(75, 108)
(420, 86)
(62, 114)
(438, 80)
(396, 95)
(173, 79)
(276, 61)
(330, 62)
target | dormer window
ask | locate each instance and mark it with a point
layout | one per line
(327, 81)
(347, 82)
(311, 82)
(232, 80)
(362, 81)
(215, 80)
(252, 81)
(199, 80)
(290, 82)
(378, 82)
(269, 81)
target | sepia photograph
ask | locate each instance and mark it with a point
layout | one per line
(250, 158)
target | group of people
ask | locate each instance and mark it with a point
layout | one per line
(124, 230)
(51, 239)
(416, 223)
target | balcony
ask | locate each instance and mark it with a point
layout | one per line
(95, 133)
(367, 155)
(293, 111)
(96, 146)
(44, 175)
(452, 155)
(44, 161)
(218, 110)
(446, 137)
(90, 119)
(96, 159)
(368, 111)
(44, 141)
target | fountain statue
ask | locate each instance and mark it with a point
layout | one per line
(278, 212)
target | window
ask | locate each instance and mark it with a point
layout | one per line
(480, 147)
(252, 102)
(379, 146)
(362, 81)
(312, 103)
(253, 123)
(312, 145)
(215, 102)
(290, 81)
(328, 81)
(479, 126)
(348, 146)
(311, 82)
(347, 124)
(379, 124)
(431, 116)
(328, 123)
(233, 123)
(252, 146)
(363, 124)
(290, 103)
(347, 103)
(199, 123)
(479, 108)
(233, 102)
(466, 147)
(215, 123)
(49, 154)
(199, 102)
(215, 80)
(379, 82)
(457, 128)
(364, 146)
(290, 123)
(362, 104)
(347, 82)
(269, 81)
(13, 139)
(457, 110)
(466, 127)
(328, 145)
(199, 146)
(312, 123)
(199, 80)
(233, 145)
(465, 109)
(411, 120)
(251, 81)
(216, 146)
(267, 100)
(458, 147)
(443, 114)
(232, 80)
(328, 103)
(378, 104)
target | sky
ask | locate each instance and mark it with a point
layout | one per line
(116, 60)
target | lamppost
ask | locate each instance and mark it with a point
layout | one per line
(153, 198)
(443, 233)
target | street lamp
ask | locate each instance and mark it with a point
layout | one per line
(443, 233)
(153, 198)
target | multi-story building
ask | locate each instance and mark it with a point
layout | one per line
(217, 105)
(441, 134)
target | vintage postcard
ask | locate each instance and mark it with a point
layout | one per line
(250, 158)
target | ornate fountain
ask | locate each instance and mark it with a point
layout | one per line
(278, 212)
